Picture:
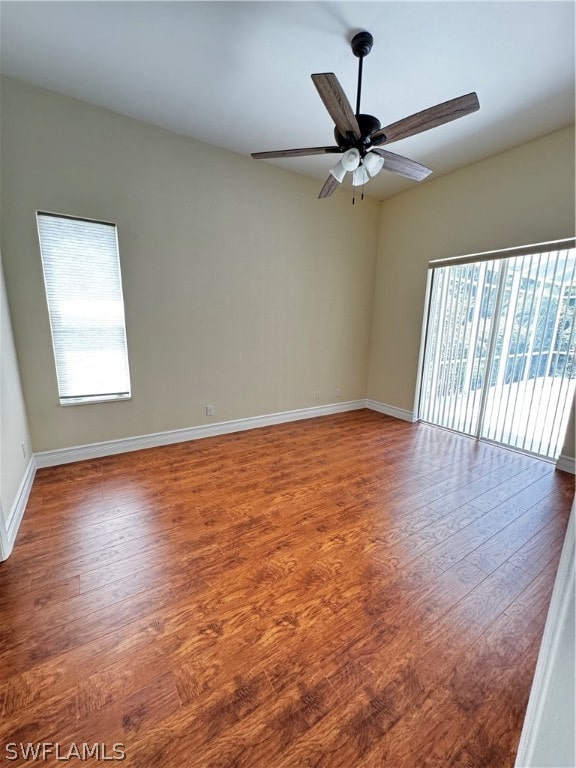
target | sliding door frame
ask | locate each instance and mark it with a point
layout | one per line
(501, 255)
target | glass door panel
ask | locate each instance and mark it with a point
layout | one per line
(500, 350)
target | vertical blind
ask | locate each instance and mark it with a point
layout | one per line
(458, 336)
(500, 356)
(83, 284)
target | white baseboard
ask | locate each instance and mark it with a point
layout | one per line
(566, 464)
(545, 705)
(17, 511)
(4, 548)
(111, 447)
(391, 410)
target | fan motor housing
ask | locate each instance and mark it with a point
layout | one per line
(368, 124)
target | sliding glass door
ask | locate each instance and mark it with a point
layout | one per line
(500, 348)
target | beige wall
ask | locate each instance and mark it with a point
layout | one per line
(241, 289)
(13, 422)
(525, 195)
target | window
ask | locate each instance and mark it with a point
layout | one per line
(84, 290)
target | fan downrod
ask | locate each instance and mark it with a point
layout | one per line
(361, 46)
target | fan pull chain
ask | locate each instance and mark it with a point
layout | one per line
(354, 194)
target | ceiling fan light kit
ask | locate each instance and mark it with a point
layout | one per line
(338, 172)
(351, 159)
(373, 163)
(360, 176)
(359, 137)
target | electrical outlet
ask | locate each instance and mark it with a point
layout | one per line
(338, 392)
(317, 396)
(24, 450)
(209, 410)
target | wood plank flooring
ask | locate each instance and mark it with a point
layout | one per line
(349, 591)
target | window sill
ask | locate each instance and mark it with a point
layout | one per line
(96, 399)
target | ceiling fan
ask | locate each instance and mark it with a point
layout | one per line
(359, 137)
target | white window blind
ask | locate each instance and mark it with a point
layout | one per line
(500, 349)
(84, 291)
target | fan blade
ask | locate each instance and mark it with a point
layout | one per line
(329, 187)
(295, 152)
(335, 101)
(402, 165)
(428, 118)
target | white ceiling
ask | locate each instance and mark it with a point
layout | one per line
(237, 74)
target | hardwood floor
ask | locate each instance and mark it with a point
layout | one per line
(347, 591)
